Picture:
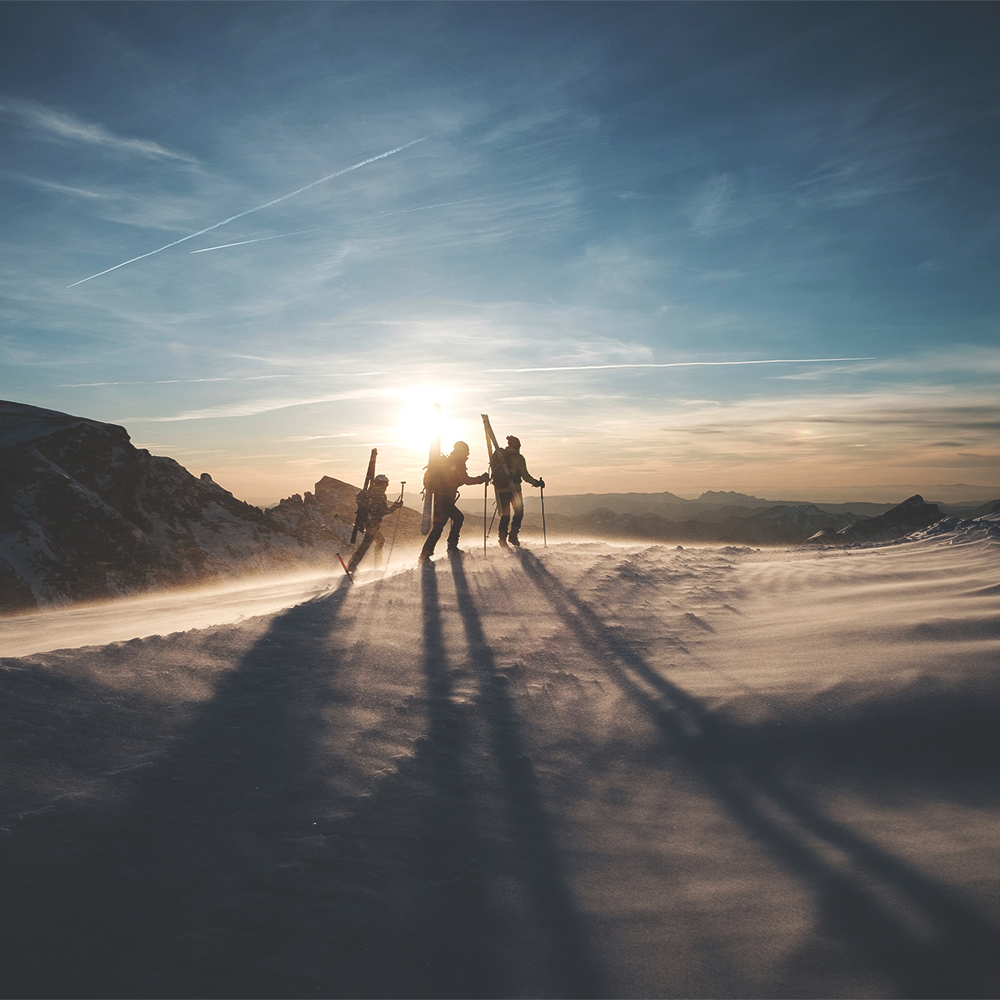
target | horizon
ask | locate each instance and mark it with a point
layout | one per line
(672, 247)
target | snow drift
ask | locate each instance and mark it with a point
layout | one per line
(591, 770)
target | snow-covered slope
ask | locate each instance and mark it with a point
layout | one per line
(84, 515)
(596, 769)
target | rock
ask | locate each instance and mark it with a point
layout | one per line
(903, 519)
(85, 515)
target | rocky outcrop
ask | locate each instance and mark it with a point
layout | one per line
(911, 515)
(790, 524)
(85, 515)
(327, 515)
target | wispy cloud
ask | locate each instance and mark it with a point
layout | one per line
(319, 437)
(339, 225)
(62, 126)
(175, 381)
(258, 208)
(44, 185)
(711, 203)
(675, 364)
(251, 407)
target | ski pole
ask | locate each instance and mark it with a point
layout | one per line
(486, 490)
(545, 540)
(346, 570)
(396, 528)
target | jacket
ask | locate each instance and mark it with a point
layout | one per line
(373, 506)
(517, 467)
(451, 474)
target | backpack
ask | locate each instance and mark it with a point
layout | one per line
(501, 476)
(364, 512)
(436, 476)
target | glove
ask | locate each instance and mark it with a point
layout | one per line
(540, 484)
(484, 478)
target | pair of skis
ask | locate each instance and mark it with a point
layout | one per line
(433, 456)
(369, 476)
(503, 481)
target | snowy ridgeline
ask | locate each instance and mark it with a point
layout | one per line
(84, 515)
(590, 770)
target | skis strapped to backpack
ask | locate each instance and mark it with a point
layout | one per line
(503, 481)
(369, 476)
(433, 457)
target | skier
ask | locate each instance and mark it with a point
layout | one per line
(509, 469)
(372, 507)
(443, 480)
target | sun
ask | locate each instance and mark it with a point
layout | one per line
(418, 421)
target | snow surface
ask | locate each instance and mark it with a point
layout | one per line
(587, 770)
(167, 611)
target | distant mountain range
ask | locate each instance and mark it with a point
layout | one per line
(677, 508)
(718, 517)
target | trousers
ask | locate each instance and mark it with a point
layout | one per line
(444, 510)
(507, 501)
(373, 533)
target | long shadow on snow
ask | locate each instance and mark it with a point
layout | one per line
(961, 956)
(456, 931)
(570, 961)
(158, 892)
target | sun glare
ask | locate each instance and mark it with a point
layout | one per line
(418, 422)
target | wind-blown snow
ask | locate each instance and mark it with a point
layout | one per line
(626, 770)
(168, 611)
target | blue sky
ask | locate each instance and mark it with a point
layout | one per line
(586, 191)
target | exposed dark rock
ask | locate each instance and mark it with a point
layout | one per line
(84, 515)
(903, 519)
(327, 515)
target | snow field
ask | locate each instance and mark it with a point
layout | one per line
(588, 770)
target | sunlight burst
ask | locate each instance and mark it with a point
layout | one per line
(418, 423)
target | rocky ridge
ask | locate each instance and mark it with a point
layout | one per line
(911, 515)
(85, 515)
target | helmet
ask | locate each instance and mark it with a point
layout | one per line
(513, 442)
(462, 447)
(381, 480)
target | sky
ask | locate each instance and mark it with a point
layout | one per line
(671, 246)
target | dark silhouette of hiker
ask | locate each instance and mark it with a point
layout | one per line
(372, 507)
(443, 480)
(509, 469)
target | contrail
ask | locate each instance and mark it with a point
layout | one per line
(239, 215)
(676, 364)
(349, 222)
